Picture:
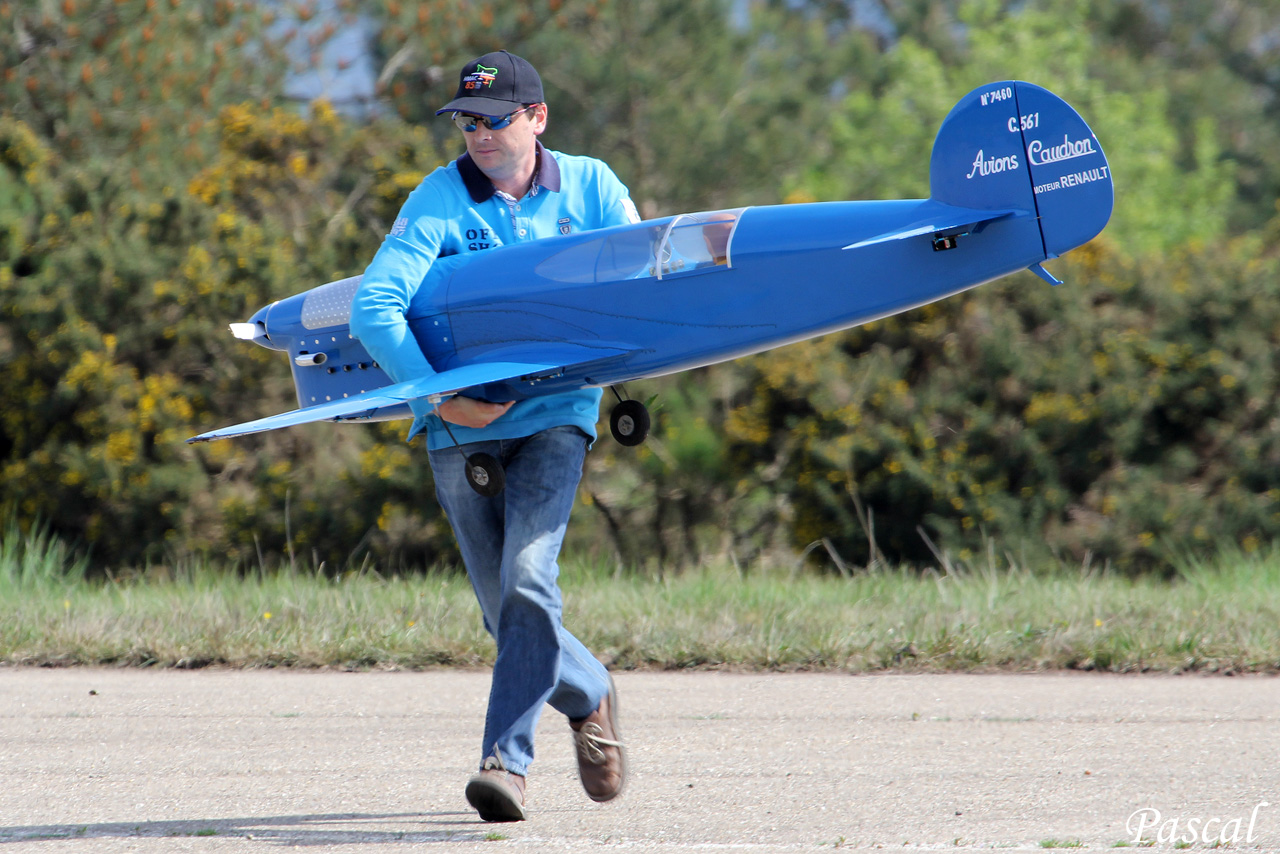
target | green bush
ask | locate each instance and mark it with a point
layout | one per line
(1126, 413)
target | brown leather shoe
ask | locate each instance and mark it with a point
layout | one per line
(496, 793)
(602, 761)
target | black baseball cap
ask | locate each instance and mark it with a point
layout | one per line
(494, 85)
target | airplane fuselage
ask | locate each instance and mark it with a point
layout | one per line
(788, 278)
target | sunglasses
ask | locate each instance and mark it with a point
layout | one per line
(468, 124)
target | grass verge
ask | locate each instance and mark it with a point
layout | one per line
(1222, 617)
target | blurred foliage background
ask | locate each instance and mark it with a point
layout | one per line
(163, 173)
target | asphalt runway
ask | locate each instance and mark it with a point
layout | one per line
(212, 761)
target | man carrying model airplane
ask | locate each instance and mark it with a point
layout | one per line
(507, 188)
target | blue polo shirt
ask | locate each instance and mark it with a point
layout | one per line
(455, 211)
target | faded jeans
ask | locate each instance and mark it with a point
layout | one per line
(510, 544)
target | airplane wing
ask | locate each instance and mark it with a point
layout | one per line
(946, 218)
(359, 406)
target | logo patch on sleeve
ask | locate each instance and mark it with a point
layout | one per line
(399, 226)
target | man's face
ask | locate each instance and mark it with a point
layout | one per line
(507, 153)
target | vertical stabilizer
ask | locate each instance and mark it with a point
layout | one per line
(1015, 145)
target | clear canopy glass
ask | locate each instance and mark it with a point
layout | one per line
(679, 244)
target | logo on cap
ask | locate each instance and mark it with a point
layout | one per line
(481, 77)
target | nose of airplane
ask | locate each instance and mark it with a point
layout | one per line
(255, 330)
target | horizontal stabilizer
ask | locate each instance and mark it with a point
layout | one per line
(362, 406)
(946, 218)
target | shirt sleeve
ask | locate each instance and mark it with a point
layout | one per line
(615, 200)
(392, 281)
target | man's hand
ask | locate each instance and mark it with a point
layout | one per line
(469, 412)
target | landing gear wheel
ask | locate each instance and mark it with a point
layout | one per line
(485, 475)
(629, 422)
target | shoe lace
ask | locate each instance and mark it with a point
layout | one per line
(591, 743)
(494, 762)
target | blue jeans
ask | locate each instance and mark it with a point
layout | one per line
(510, 543)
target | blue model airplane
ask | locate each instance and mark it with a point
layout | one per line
(1016, 177)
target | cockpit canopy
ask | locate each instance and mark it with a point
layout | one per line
(657, 248)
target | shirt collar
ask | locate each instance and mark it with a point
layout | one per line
(545, 175)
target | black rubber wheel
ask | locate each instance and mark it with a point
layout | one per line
(485, 475)
(629, 422)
